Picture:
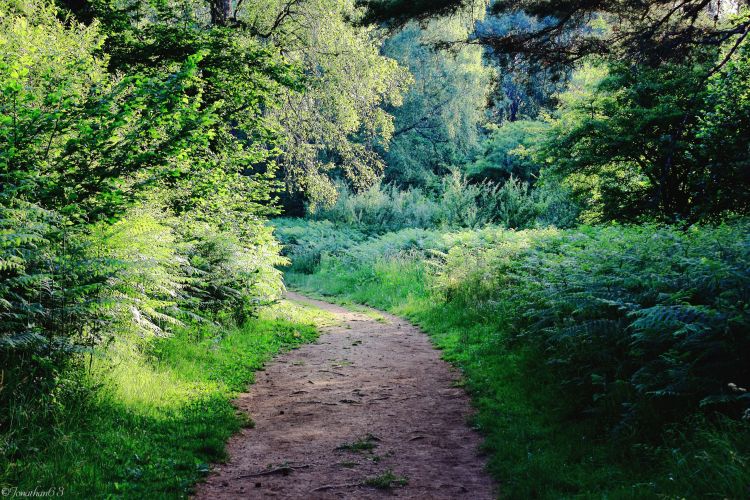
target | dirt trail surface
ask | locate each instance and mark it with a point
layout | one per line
(371, 396)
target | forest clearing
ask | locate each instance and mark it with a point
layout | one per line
(375, 248)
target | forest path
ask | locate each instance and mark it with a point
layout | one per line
(371, 396)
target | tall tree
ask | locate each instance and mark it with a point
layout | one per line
(338, 125)
(438, 125)
(663, 142)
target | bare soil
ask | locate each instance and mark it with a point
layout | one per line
(333, 418)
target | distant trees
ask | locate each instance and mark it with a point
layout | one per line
(655, 136)
(439, 123)
(337, 123)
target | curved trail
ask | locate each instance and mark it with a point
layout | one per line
(377, 382)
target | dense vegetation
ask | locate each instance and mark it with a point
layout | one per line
(147, 422)
(601, 360)
(557, 191)
(140, 156)
(605, 360)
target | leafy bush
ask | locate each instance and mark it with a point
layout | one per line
(381, 208)
(411, 243)
(148, 284)
(457, 203)
(229, 274)
(508, 152)
(667, 142)
(512, 204)
(642, 324)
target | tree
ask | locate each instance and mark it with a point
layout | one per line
(566, 31)
(438, 125)
(338, 125)
(298, 67)
(667, 142)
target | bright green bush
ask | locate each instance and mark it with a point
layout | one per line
(510, 204)
(456, 203)
(226, 273)
(642, 325)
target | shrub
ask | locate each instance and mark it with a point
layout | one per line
(381, 208)
(512, 204)
(229, 274)
(82, 152)
(305, 242)
(642, 325)
(457, 203)
(508, 152)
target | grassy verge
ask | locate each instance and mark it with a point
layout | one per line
(159, 418)
(536, 447)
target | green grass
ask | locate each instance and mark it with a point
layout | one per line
(160, 417)
(366, 443)
(535, 447)
(386, 481)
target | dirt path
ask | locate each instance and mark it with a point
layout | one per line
(376, 384)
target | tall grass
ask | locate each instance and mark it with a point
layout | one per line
(454, 203)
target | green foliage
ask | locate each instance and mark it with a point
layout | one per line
(603, 361)
(339, 126)
(381, 208)
(305, 243)
(131, 207)
(230, 274)
(507, 152)
(473, 205)
(51, 306)
(652, 141)
(79, 141)
(513, 204)
(643, 325)
(438, 124)
(386, 481)
(457, 203)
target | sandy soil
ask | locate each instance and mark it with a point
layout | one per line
(376, 381)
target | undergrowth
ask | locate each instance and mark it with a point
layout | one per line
(563, 403)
